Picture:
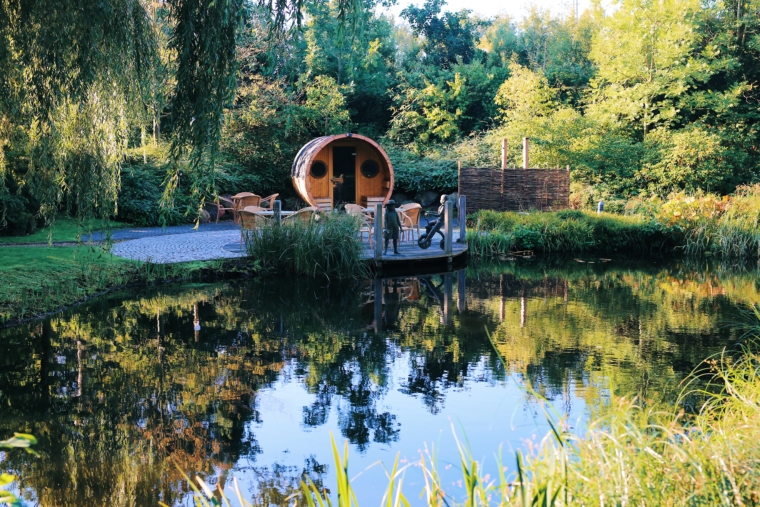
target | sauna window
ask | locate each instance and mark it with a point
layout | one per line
(370, 169)
(318, 169)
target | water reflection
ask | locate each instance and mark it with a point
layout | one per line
(247, 379)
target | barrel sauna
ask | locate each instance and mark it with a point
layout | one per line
(344, 168)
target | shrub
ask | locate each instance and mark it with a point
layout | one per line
(417, 173)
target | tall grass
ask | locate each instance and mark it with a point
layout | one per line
(633, 453)
(329, 247)
(568, 231)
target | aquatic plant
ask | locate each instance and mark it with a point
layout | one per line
(327, 246)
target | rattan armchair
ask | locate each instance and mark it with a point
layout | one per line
(250, 221)
(269, 199)
(410, 218)
(232, 204)
(305, 214)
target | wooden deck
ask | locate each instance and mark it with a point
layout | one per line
(412, 256)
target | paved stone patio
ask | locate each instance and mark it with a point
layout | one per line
(217, 241)
(177, 247)
(144, 232)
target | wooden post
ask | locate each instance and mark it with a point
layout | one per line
(525, 153)
(503, 153)
(461, 299)
(448, 225)
(378, 231)
(277, 212)
(462, 219)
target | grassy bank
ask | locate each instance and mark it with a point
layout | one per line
(67, 230)
(327, 247)
(570, 231)
(727, 227)
(39, 280)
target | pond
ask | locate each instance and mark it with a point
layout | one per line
(250, 379)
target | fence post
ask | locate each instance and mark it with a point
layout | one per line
(504, 153)
(378, 231)
(448, 224)
(277, 212)
(526, 142)
(462, 219)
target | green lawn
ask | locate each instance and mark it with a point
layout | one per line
(36, 280)
(64, 229)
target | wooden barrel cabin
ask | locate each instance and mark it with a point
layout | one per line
(344, 168)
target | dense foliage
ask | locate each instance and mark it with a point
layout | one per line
(639, 99)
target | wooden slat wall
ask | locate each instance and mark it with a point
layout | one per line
(369, 187)
(515, 189)
(322, 187)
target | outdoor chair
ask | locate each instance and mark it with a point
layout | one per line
(250, 221)
(254, 209)
(269, 199)
(232, 204)
(249, 200)
(353, 208)
(305, 214)
(411, 218)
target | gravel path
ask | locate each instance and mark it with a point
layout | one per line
(179, 247)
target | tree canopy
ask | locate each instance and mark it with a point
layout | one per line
(110, 107)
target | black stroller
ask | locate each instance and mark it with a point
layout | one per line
(433, 227)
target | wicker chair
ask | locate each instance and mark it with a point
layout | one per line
(270, 199)
(250, 221)
(232, 204)
(306, 214)
(254, 209)
(367, 226)
(249, 200)
(352, 208)
(410, 218)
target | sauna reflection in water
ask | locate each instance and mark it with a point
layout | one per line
(249, 379)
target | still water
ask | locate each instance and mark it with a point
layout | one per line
(249, 380)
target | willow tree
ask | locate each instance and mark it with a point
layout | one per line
(78, 82)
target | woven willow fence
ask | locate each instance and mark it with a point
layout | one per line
(515, 189)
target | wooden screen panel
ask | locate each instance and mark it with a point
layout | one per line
(322, 187)
(369, 187)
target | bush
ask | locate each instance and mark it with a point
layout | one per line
(419, 173)
(17, 210)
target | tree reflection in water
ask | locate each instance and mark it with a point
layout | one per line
(122, 391)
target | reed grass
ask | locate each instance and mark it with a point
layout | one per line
(633, 453)
(329, 247)
(574, 232)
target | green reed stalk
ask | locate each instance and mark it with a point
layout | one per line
(329, 247)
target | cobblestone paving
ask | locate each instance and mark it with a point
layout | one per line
(193, 246)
